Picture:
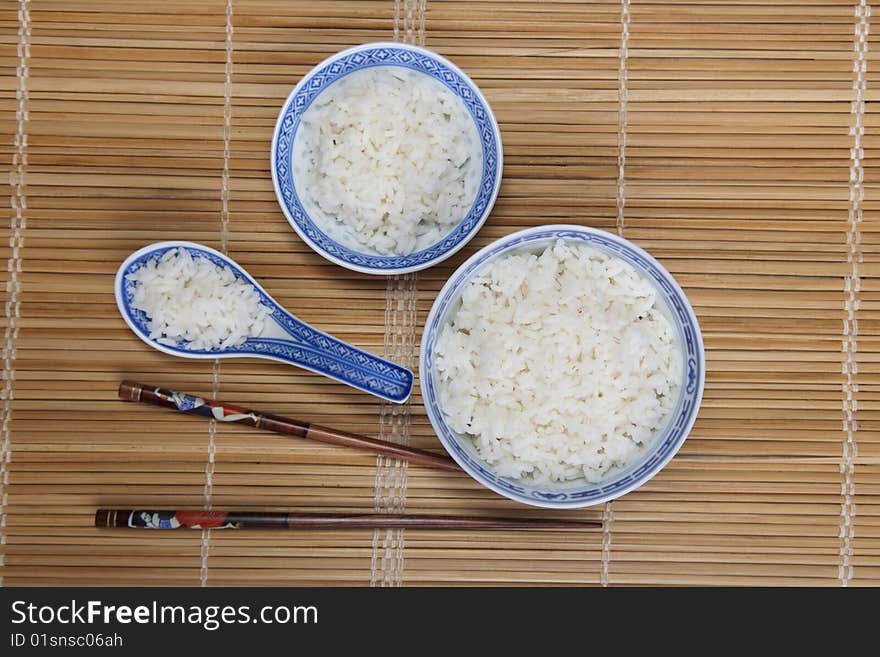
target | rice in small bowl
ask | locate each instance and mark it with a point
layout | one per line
(386, 158)
(562, 366)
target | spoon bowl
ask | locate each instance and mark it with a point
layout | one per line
(284, 337)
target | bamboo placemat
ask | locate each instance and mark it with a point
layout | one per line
(733, 140)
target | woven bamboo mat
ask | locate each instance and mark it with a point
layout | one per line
(734, 140)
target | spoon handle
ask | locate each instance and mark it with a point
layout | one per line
(314, 350)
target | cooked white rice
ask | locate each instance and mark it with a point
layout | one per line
(387, 161)
(558, 365)
(192, 299)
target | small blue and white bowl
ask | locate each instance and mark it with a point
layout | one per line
(323, 76)
(671, 301)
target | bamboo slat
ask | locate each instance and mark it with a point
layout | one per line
(726, 138)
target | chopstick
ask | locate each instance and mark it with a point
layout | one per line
(224, 412)
(198, 519)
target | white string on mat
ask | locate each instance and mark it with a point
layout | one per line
(18, 223)
(622, 79)
(387, 561)
(386, 565)
(852, 290)
(216, 370)
(409, 21)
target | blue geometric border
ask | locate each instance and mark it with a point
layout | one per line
(386, 55)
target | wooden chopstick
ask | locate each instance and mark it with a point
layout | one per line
(198, 519)
(224, 412)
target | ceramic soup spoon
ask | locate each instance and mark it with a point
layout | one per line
(283, 337)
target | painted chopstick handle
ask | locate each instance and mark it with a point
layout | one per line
(181, 401)
(224, 412)
(197, 519)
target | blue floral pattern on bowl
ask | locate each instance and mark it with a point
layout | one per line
(358, 58)
(669, 440)
(303, 345)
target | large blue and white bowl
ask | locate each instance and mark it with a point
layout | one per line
(323, 76)
(671, 301)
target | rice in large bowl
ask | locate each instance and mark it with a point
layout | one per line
(562, 366)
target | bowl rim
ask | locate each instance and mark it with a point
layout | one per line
(443, 255)
(508, 243)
